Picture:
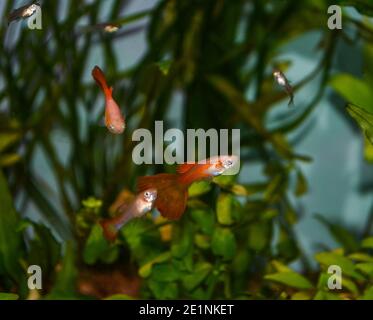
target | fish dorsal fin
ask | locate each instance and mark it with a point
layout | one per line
(182, 168)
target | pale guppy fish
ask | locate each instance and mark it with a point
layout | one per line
(23, 12)
(283, 82)
(142, 204)
(114, 119)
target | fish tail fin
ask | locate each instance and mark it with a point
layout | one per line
(171, 194)
(110, 231)
(99, 77)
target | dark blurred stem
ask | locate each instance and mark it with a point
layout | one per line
(369, 224)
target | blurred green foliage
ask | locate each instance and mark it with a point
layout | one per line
(235, 240)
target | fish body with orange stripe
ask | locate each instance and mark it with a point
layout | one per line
(114, 119)
(173, 188)
(142, 204)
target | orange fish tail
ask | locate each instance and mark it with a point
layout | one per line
(109, 229)
(171, 194)
(99, 77)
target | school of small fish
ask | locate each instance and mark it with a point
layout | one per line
(166, 192)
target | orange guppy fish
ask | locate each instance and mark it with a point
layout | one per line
(284, 82)
(142, 204)
(114, 120)
(173, 188)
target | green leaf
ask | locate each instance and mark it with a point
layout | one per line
(364, 119)
(8, 296)
(9, 159)
(368, 294)
(365, 267)
(11, 250)
(224, 209)
(358, 256)
(165, 272)
(96, 245)
(259, 234)
(223, 243)
(301, 185)
(354, 90)
(330, 258)
(367, 243)
(201, 271)
(204, 219)
(146, 269)
(323, 295)
(164, 66)
(198, 188)
(291, 279)
(182, 241)
(65, 284)
(349, 285)
(6, 139)
(301, 295)
(340, 234)
(164, 290)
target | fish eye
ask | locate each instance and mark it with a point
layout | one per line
(227, 163)
(149, 196)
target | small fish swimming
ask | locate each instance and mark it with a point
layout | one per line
(173, 188)
(283, 82)
(114, 119)
(23, 12)
(142, 204)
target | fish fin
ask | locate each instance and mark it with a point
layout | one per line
(171, 194)
(110, 232)
(99, 77)
(182, 168)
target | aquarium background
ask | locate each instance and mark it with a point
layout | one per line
(64, 170)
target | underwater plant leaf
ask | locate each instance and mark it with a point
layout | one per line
(291, 279)
(96, 246)
(367, 243)
(9, 159)
(7, 139)
(165, 272)
(199, 188)
(368, 294)
(224, 207)
(11, 249)
(364, 119)
(223, 243)
(146, 269)
(366, 268)
(324, 295)
(65, 283)
(340, 234)
(330, 258)
(204, 219)
(201, 271)
(259, 235)
(301, 185)
(8, 296)
(356, 91)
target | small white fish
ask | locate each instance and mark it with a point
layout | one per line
(23, 12)
(283, 82)
(142, 204)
